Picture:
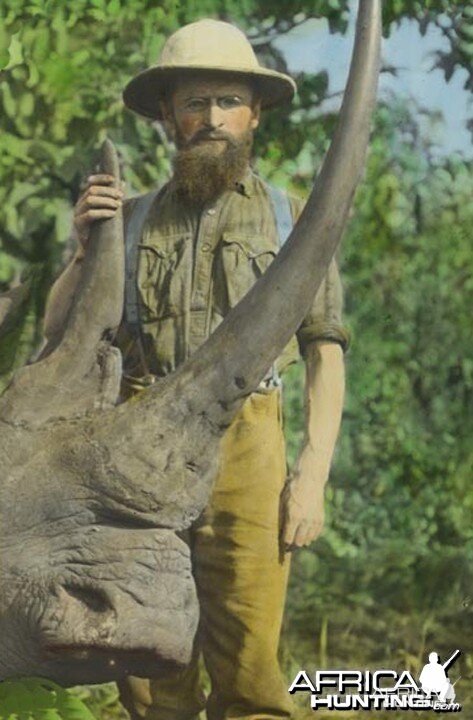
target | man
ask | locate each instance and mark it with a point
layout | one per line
(204, 239)
(433, 679)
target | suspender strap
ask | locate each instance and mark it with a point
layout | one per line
(284, 225)
(133, 233)
(282, 213)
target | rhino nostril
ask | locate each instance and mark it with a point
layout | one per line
(93, 598)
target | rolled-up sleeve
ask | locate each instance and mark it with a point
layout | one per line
(323, 322)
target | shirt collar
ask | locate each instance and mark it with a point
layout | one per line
(245, 186)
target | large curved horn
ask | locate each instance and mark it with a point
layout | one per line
(98, 304)
(236, 357)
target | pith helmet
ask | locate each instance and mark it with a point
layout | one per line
(205, 45)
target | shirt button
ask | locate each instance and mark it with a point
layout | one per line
(206, 247)
(211, 211)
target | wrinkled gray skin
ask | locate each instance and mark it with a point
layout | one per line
(95, 581)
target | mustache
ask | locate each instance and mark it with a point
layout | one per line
(203, 135)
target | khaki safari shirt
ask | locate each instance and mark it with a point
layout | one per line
(194, 266)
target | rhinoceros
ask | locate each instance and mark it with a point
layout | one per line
(96, 579)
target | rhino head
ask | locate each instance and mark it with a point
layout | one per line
(96, 581)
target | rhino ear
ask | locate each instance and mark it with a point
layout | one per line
(82, 372)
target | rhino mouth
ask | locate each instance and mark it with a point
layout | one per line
(128, 619)
(95, 637)
(77, 664)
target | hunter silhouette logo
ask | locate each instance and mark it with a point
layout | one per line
(381, 689)
(433, 678)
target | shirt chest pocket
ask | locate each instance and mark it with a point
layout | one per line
(244, 259)
(164, 277)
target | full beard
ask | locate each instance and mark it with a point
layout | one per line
(203, 170)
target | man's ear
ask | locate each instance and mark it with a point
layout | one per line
(256, 108)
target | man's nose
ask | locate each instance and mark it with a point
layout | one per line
(215, 114)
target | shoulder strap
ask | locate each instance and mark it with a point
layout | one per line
(133, 233)
(282, 213)
(284, 225)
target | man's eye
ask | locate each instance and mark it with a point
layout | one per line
(230, 101)
(195, 105)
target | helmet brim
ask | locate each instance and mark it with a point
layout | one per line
(144, 93)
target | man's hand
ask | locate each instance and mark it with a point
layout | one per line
(99, 201)
(302, 501)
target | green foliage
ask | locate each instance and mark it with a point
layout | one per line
(102, 701)
(39, 699)
(393, 570)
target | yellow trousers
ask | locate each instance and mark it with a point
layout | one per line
(241, 581)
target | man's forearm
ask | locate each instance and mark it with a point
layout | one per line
(303, 496)
(60, 297)
(325, 389)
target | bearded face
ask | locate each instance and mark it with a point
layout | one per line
(209, 165)
(212, 121)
